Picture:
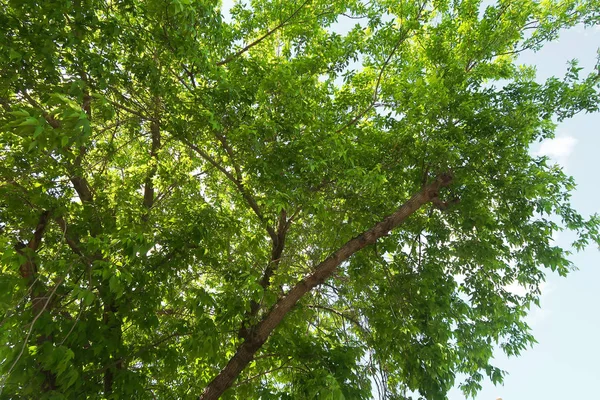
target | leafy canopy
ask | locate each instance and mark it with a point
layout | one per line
(303, 199)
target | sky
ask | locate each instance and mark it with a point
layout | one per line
(565, 362)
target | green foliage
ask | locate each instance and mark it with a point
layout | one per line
(167, 175)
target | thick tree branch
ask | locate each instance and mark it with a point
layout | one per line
(278, 244)
(277, 240)
(277, 248)
(40, 298)
(49, 383)
(72, 243)
(82, 188)
(79, 183)
(28, 269)
(323, 271)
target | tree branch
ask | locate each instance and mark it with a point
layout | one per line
(323, 271)
(263, 37)
(155, 147)
(239, 185)
(403, 37)
(28, 268)
(342, 315)
(278, 244)
(79, 183)
(51, 121)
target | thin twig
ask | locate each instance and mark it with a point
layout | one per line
(238, 183)
(60, 281)
(263, 37)
(342, 315)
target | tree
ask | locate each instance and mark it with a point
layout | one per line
(274, 206)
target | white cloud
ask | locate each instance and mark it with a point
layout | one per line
(559, 149)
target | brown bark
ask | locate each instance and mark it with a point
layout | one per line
(257, 337)
(28, 268)
(278, 244)
(83, 189)
(277, 250)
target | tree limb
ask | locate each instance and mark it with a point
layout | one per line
(278, 244)
(28, 269)
(323, 271)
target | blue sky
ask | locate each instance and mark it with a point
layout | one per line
(564, 364)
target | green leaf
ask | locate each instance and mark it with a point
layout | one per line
(19, 113)
(38, 131)
(15, 55)
(115, 285)
(30, 121)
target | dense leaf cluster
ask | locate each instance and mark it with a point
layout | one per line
(194, 204)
